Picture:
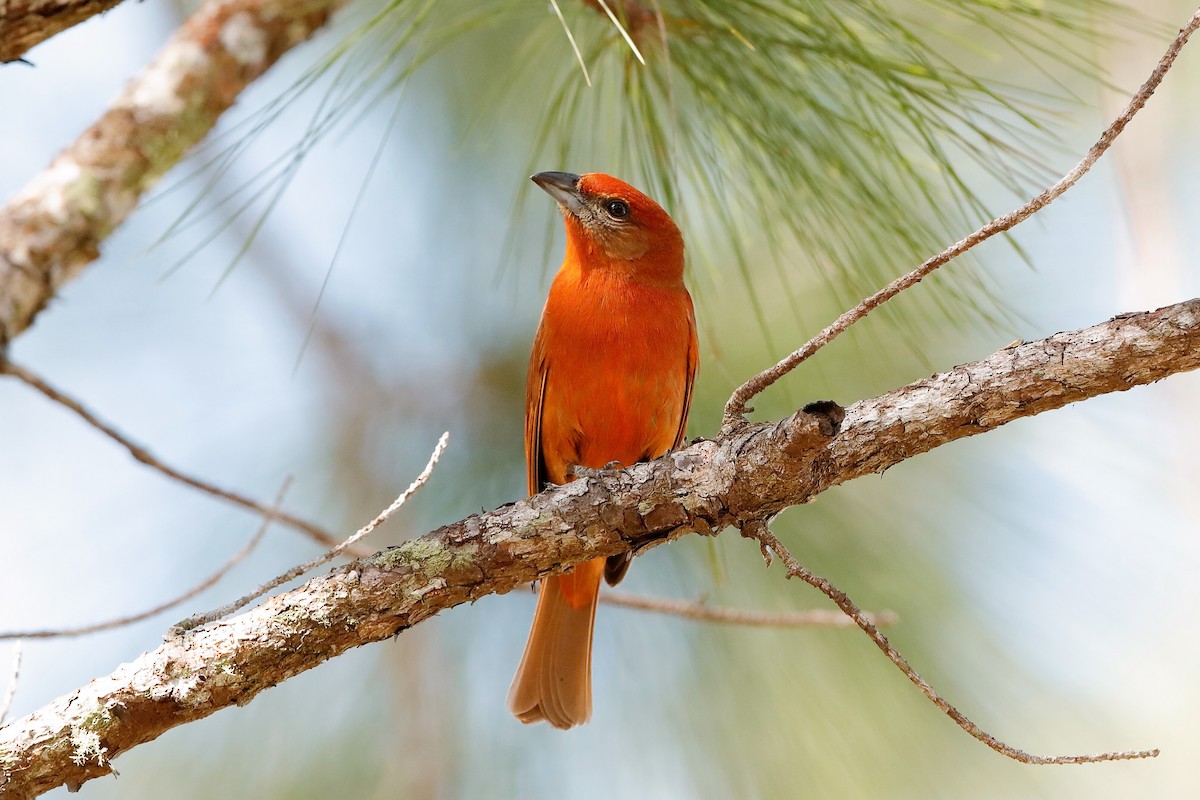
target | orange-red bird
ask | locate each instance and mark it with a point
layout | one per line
(610, 380)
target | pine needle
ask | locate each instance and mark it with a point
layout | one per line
(571, 38)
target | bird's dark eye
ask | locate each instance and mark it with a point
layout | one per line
(617, 209)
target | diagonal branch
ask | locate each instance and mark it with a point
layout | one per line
(751, 473)
(342, 547)
(735, 408)
(770, 544)
(53, 228)
(702, 612)
(144, 456)
(120, 622)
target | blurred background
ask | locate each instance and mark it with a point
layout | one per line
(1043, 574)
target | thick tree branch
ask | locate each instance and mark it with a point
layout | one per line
(24, 24)
(53, 228)
(750, 474)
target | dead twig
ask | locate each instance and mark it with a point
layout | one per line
(13, 675)
(197, 620)
(701, 612)
(120, 622)
(141, 454)
(735, 408)
(769, 543)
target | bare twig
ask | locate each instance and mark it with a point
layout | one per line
(120, 622)
(298, 570)
(735, 408)
(144, 456)
(14, 675)
(701, 612)
(758, 531)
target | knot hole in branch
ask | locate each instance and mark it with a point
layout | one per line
(811, 427)
(829, 415)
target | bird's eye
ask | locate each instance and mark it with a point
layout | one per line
(617, 209)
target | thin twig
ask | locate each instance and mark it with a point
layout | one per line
(119, 622)
(197, 620)
(769, 543)
(141, 454)
(701, 612)
(13, 675)
(735, 408)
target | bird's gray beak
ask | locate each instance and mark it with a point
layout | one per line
(563, 187)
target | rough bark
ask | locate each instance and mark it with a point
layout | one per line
(24, 24)
(750, 473)
(53, 228)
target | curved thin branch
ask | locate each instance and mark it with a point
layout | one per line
(342, 547)
(702, 612)
(24, 24)
(53, 228)
(735, 408)
(120, 622)
(144, 456)
(751, 473)
(771, 544)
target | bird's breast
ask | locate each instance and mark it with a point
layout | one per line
(616, 356)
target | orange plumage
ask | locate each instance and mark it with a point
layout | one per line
(610, 380)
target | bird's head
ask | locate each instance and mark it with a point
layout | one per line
(613, 224)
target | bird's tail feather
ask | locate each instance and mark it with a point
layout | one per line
(554, 680)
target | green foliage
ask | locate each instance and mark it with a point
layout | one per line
(846, 131)
(849, 132)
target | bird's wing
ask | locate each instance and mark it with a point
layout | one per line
(535, 401)
(693, 361)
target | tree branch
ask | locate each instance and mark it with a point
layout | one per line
(749, 474)
(52, 229)
(769, 543)
(701, 612)
(144, 456)
(735, 408)
(342, 547)
(24, 24)
(120, 622)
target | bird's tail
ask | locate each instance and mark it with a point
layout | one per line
(554, 680)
